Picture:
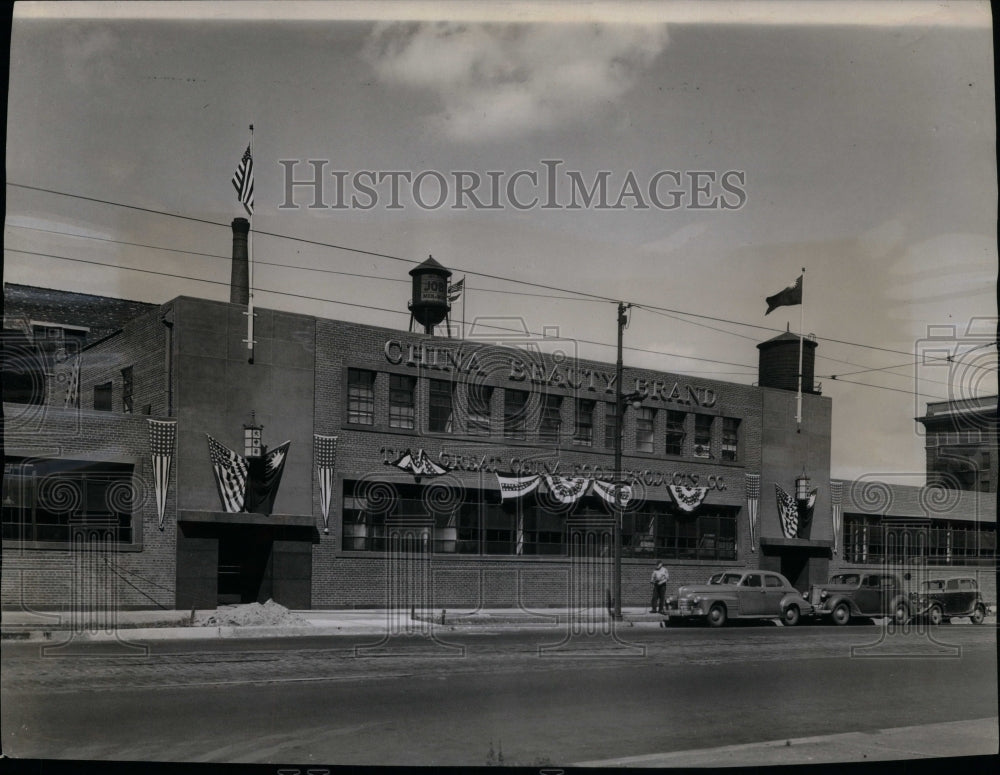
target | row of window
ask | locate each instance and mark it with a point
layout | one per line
(49, 500)
(940, 542)
(544, 421)
(974, 436)
(474, 525)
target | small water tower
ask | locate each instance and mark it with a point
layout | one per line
(429, 305)
(779, 363)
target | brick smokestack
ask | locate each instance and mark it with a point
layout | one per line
(239, 281)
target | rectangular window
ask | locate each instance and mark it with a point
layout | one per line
(402, 408)
(730, 437)
(127, 390)
(675, 433)
(645, 422)
(584, 432)
(479, 398)
(703, 435)
(610, 425)
(551, 419)
(439, 416)
(707, 536)
(50, 501)
(102, 397)
(515, 410)
(360, 396)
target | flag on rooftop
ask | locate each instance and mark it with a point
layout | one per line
(243, 181)
(455, 291)
(789, 297)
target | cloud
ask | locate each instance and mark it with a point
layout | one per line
(506, 80)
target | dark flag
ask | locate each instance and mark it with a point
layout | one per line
(265, 476)
(789, 297)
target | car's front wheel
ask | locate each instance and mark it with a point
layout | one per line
(978, 615)
(841, 615)
(901, 614)
(790, 616)
(935, 616)
(717, 615)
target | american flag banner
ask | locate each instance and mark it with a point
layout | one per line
(243, 181)
(162, 439)
(606, 490)
(455, 291)
(788, 512)
(565, 489)
(687, 498)
(230, 475)
(753, 501)
(837, 506)
(514, 486)
(419, 464)
(72, 400)
(326, 460)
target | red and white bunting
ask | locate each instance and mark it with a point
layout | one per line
(567, 490)
(326, 460)
(687, 498)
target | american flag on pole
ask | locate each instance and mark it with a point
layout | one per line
(230, 475)
(788, 512)
(162, 437)
(753, 501)
(326, 459)
(455, 291)
(243, 181)
(836, 502)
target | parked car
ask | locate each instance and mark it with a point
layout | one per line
(941, 599)
(739, 594)
(862, 593)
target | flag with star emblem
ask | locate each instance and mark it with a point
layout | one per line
(230, 475)
(162, 437)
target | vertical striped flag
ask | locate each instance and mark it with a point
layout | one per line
(326, 460)
(230, 475)
(753, 501)
(836, 502)
(243, 181)
(162, 437)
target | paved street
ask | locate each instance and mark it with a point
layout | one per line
(346, 700)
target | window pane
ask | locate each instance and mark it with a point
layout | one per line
(515, 414)
(584, 432)
(610, 425)
(401, 401)
(703, 435)
(479, 398)
(439, 417)
(102, 397)
(551, 419)
(730, 437)
(360, 396)
(675, 433)
(645, 421)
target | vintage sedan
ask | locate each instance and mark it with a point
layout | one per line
(939, 600)
(739, 594)
(860, 594)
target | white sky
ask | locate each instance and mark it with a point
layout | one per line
(865, 132)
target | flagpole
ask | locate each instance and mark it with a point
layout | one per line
(464, 290)
(802, 307)
(250, 312)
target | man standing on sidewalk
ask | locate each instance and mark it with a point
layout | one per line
(659, 581)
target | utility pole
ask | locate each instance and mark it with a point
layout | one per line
(616, 613)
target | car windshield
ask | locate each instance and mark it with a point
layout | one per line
(933, 585)
(731, 578)
(845, 578)
(716, 579)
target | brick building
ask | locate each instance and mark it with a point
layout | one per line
(466, 472)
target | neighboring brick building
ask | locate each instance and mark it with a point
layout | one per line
(962, 443)
(702, 456)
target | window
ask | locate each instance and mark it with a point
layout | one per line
(439, 417)
(703, 435)
(753, 580)
(515, 409)
(102, 397)
(401, 403)
(708, 535)
(940, 541)
(50, 500)
(645, 422)
(584, 432)
(360, 396)
(730, 437)
(479, 398)
(127, 390)
(610, 425)
(772, 581)
(551, 419)
(675, 433)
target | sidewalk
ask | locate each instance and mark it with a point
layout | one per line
(977, 737)
(176, 625)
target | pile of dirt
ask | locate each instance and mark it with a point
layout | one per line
(251, 615)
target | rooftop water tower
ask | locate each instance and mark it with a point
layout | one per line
(429, 305)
